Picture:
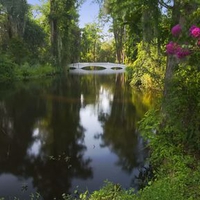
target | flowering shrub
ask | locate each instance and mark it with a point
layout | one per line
(181, 51)
(174, 49)
(195, 31)
(171, 48)
(176, 30)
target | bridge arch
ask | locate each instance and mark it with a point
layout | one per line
(107, 68)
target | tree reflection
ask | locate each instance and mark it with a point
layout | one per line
(54, 113)
(119, 128)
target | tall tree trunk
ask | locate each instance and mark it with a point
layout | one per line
(9, 25)
(170, 68)
(118, 35)
(54, 31)
(95, 50)
(16, 12)
(171, 60)
(176, 18)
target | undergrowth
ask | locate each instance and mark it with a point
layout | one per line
(10, 71)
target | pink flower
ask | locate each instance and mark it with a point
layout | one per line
(171, 48)
(195, 31)
(174, 49)
(176, 30)
(182, 53)
(192, 27)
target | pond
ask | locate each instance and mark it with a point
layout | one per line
(70, 131)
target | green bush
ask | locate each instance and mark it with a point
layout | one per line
(7, 69)
(183, 108)
(17, 50)
(176, 169)
(112, 191)
(26, 71)
(148, 69)
(163, 189)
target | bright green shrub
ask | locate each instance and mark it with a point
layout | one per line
(176, 171)
(163, 189)
(112, 191)
(26, 71)
(148, 68)
(183, 108)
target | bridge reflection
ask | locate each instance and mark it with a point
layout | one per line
(92, 68)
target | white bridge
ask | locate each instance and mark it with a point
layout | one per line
(96, 68)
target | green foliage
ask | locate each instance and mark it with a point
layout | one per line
(26, 71)
(16, 12)
(107, 53)
(28, 39)
(165, 189)
(76, 195)
(183, 108)
(7, 68)
(63, 19)
(148, 68)
(109, 191)
(35, 196)
(90, 43)
(35, 40)
(112, 191)
(173, 136)
(17, 50)
(176, 170)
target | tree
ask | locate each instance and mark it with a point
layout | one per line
(16, 13)
(107, 52)
(63, 19)
(90, 42)
(118, 27)
(22, 38)
(35, 39)
(182, 18)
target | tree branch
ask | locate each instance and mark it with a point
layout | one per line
(162, 3)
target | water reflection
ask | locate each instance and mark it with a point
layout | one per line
(69, 131)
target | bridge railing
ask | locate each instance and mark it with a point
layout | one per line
(109, 68)
(103, 64)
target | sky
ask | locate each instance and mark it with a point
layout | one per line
(88, 12)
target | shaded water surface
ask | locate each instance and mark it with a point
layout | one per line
(70, 131)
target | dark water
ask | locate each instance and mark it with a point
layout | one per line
(60, 133)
